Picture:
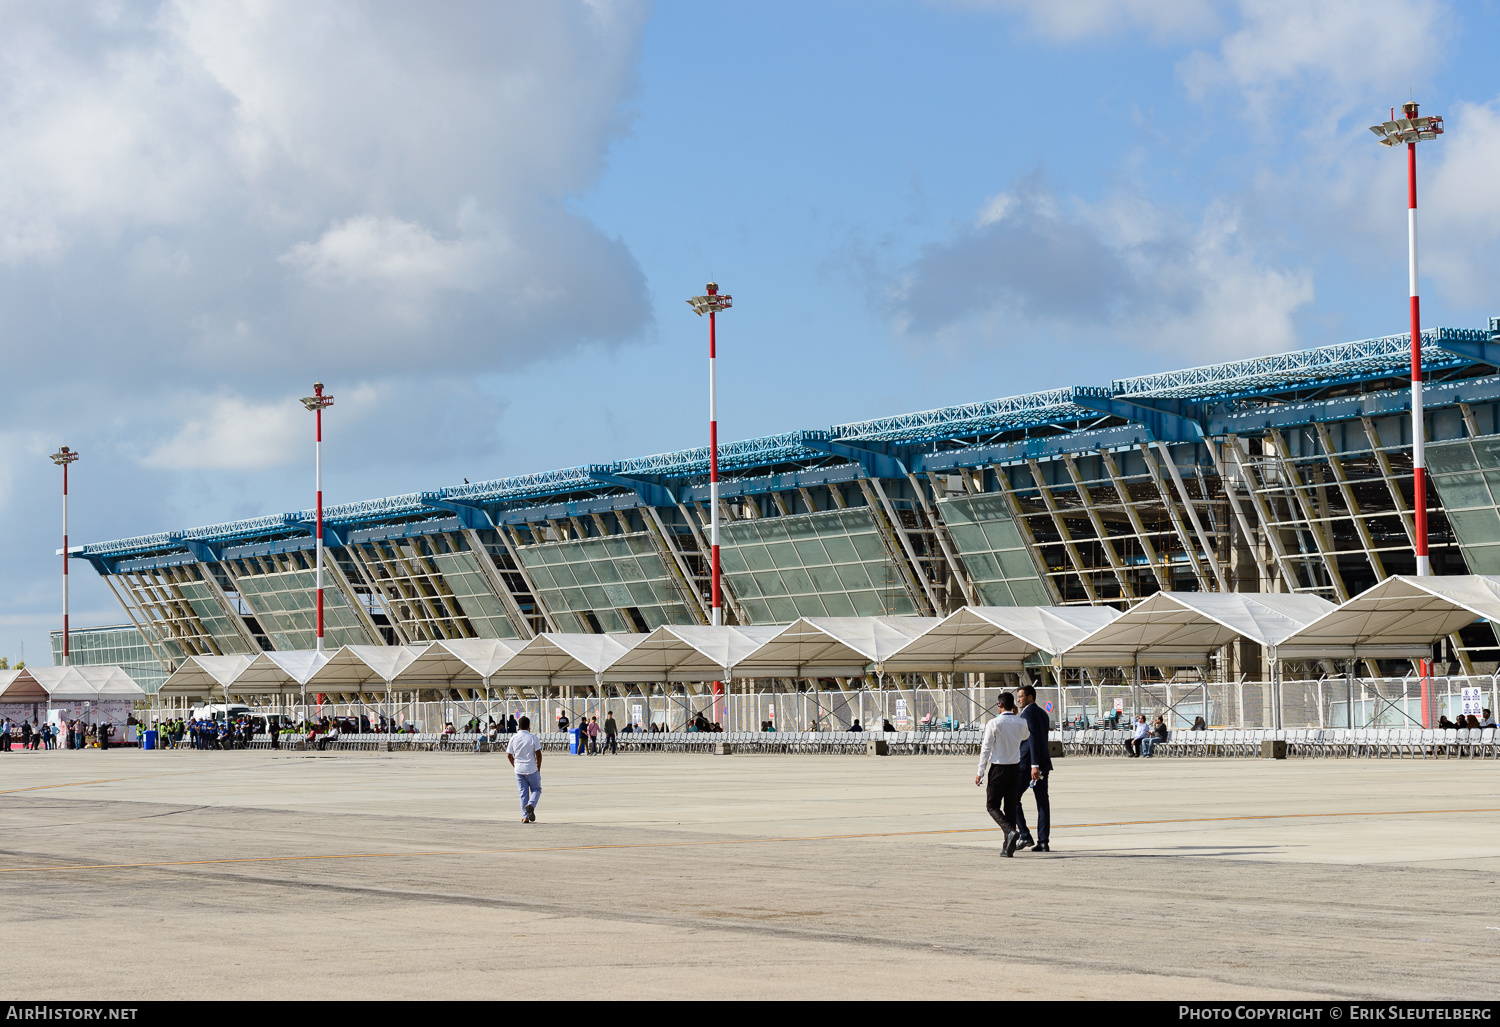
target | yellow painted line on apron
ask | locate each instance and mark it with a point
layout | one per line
(709, 841)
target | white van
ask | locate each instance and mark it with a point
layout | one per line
(215, 711)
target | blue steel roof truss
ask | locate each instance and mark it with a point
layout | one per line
(887, 444)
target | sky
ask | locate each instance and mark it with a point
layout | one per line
(478, 223)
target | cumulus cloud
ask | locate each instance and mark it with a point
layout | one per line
(327, 183)
(228, 432)
(1336, 50)
(1032, 267)
(1461, 206)
(205, 205)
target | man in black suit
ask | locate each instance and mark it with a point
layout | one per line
(1036, 755)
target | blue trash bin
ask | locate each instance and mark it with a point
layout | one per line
(576, 746)
(150, 742)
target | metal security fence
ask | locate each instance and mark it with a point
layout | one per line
(1230, 743)
(1325, 702)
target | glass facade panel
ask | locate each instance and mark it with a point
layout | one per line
(830, 563)
(481, 607)
(285, 604)
(1469, 498)
(604, 576)
(990, 546)
(117, 645)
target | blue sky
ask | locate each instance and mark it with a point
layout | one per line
(479, 226)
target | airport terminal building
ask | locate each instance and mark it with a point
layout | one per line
(1284, 473)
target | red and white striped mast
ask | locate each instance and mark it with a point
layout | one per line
(711, 304)
(1410, 129)
(63, 457)
(317, 403)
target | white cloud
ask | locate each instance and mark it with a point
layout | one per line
(1337, 50)
(1460, 205)
(1128, 267)
(386, 252)
(333, 177)
(236, 434)
(1069, 20)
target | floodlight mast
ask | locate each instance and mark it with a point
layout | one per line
(1410, 130)
(711, 303)
(317, 403)
(63, 457)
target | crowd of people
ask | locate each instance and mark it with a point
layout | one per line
(65, 734)
(1462, 720)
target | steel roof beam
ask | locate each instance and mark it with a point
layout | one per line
(652, 493)
(1168, 420)
(873, 456)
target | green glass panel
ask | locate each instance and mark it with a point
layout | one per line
(781, 611)
(757, 558)
(868, 545)
(782, 554)
(1482, 559)
(796, 580)
(1451, 456)
(996, 593)
(840, 549)
(1016, 563)
(1475, 527)
(1487, 448)
(1459, 491)
(839, 604)
(984, 566)
(1003, 535)
(867, 604)
(770, 583)
(855, 577)
(825, 579)
(758, 610)
(810, 552)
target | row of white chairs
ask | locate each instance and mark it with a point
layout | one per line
(1404, 743)
(1396, 743)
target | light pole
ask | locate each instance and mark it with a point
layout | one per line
(1410, 130)
(711, 303)
(63, 457)
(317, 403)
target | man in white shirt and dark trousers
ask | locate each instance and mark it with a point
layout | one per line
(1000, 757)
(525, 754)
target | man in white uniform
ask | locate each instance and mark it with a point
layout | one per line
(525, 755)
(1000, 754)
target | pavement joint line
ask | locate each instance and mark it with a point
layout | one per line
(711, 841)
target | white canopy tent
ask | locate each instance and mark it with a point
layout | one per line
(832, 646)
(457, 660)
(689, 653)
(278, 673)
(1185, 629)
(997, 638)
(205, 675)
(1400, 618)
(565, 658)
(19, 687)
(87, 684)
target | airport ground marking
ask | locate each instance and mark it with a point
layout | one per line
(711, 841)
